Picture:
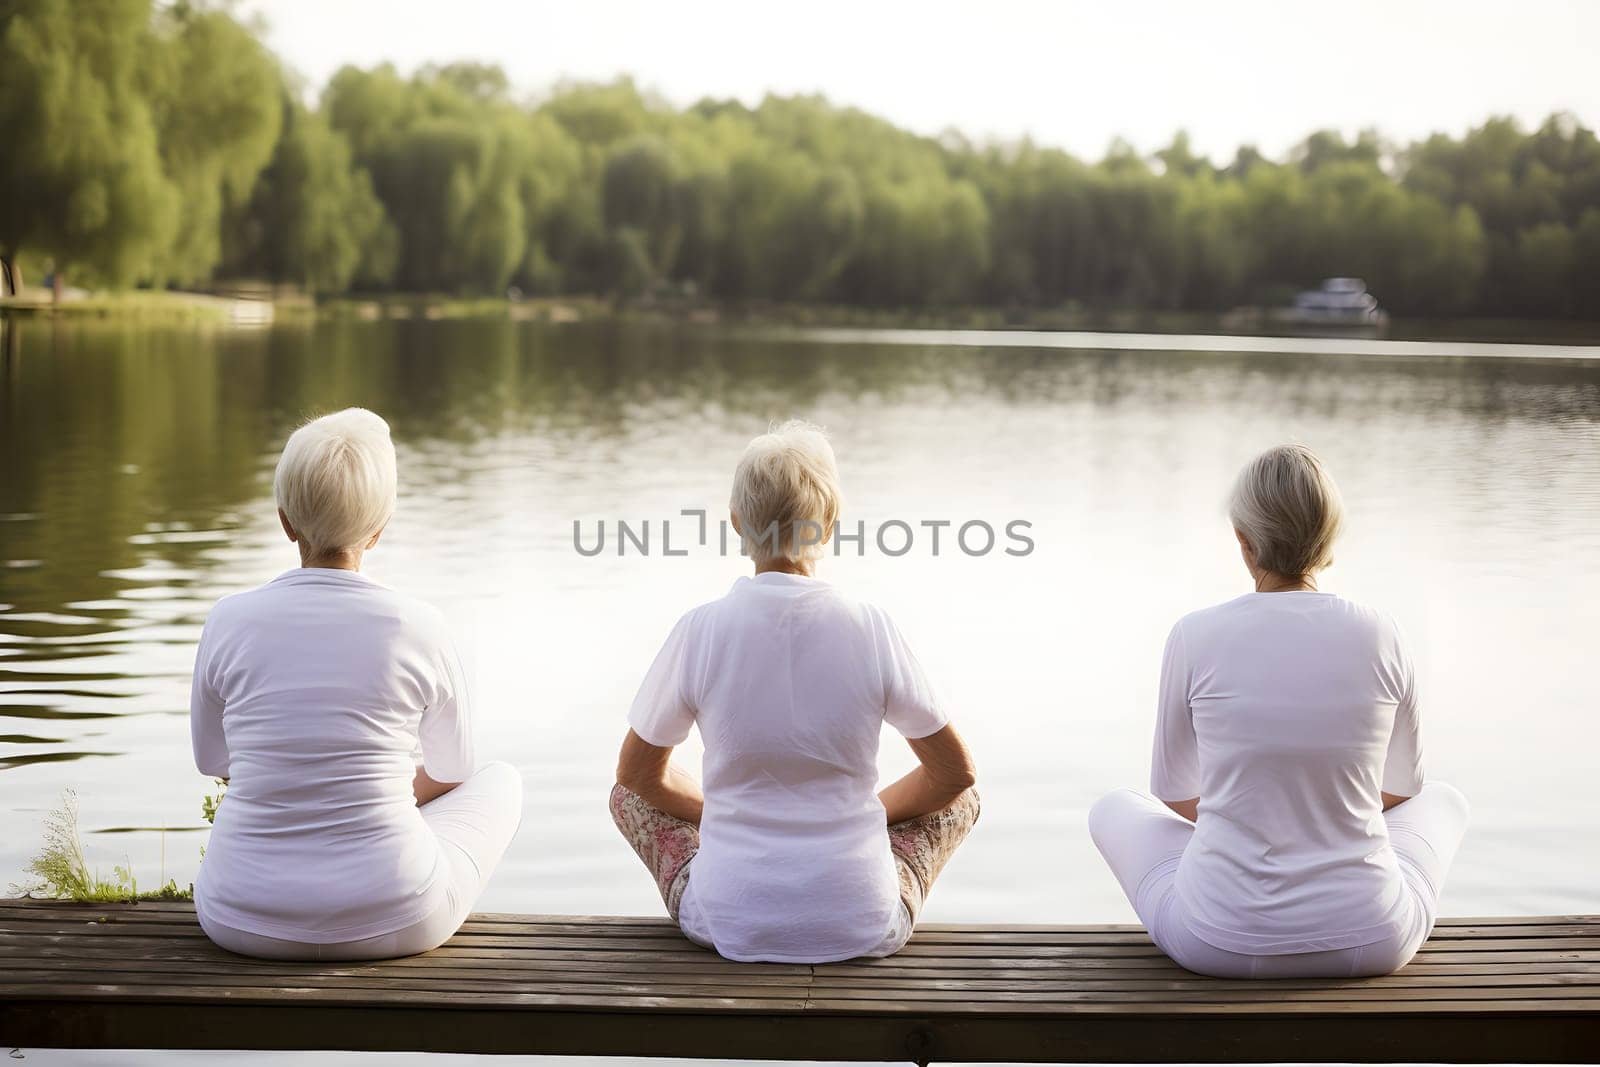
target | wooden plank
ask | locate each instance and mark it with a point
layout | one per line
(1180, 983)
(314, 997)
(385, 972)
(1080, 971)
(1216, 993)
(437, 959)
(1383, 1006)
(1510, 920)
(1486, 932)
(176, 921)
(382, 985)
(381, 976)
(445, 959)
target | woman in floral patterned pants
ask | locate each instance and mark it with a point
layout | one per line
(921, 846)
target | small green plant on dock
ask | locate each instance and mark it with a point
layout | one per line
(209, 802)
(62, 872)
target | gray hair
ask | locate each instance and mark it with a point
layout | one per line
(786, 494)
(336, 479)
(1288, 509)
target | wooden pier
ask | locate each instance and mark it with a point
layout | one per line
(1508, 990)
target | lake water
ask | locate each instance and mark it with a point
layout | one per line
(135, 470)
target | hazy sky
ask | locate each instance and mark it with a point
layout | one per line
(1074, 74)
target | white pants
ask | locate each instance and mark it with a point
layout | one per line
(1143, 840)
(474, 823)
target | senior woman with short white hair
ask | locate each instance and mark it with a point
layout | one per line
(791, 853)
(1294, 835)
(312, 696)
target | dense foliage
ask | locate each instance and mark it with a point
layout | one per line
(161, 147)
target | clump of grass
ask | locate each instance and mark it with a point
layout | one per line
(62, 872)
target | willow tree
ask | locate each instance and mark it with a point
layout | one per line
(82, 186)
(313, 218)
(214, 91)
(126, 129)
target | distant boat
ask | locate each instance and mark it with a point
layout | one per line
(1339, 302)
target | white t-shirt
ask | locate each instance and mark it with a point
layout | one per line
(790, 683)
(1287, 714)
(311, 695)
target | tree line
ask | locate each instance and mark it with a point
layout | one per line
(166, 145)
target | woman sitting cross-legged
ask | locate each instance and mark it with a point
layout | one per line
(311, 694)
(791, 854)
(1295, 836)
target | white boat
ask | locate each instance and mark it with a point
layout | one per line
(1339, 302)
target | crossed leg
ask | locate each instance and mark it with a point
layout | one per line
(665, 844)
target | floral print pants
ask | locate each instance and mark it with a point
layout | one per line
(921, 846)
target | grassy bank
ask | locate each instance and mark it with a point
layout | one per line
(760, 313)
(440, 306)
(147, 306)
(137, 305)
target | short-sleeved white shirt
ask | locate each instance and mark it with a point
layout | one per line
(1288, 714)
(790, 683)
(312, 695)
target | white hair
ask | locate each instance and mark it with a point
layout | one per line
(336, 479)
(786, 493)
(1288, 509)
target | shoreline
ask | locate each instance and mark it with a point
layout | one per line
(257, 306)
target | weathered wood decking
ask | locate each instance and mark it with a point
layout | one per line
(1505, 990)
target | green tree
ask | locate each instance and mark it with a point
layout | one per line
(450, 186)
(1328, 148)
(559, 208)
(82, 183)
(369, 106)
(639, 197)
(1529, 193)
(1586, 264)
(1543, 267)
(313, 218)
(214, 90)
(1178, 158)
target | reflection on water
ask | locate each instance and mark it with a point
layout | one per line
(24, 759)
(136, 468)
